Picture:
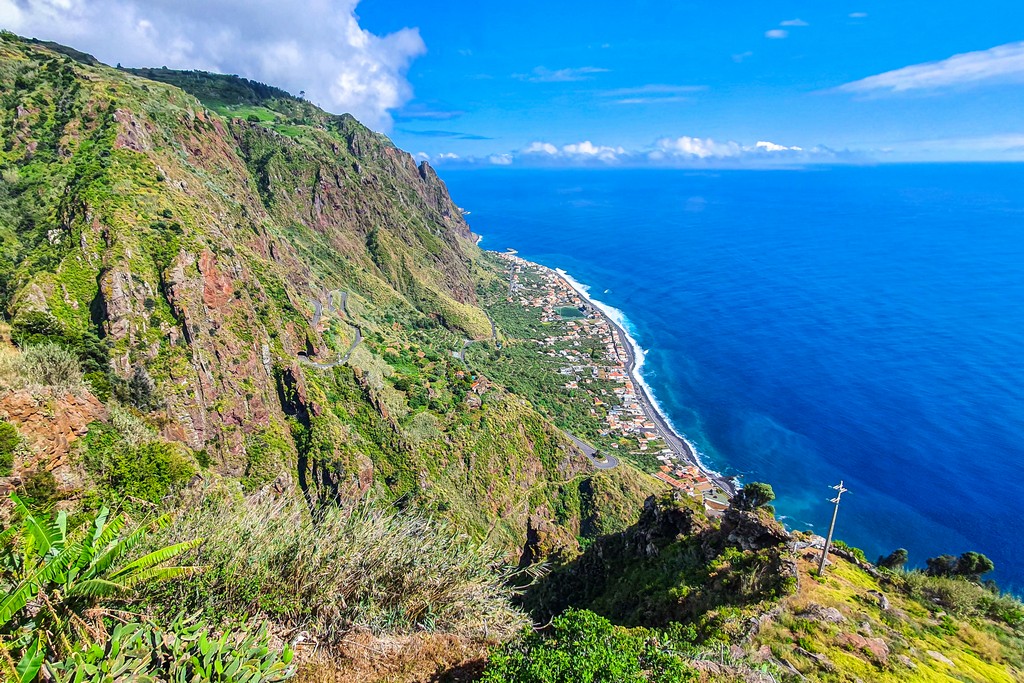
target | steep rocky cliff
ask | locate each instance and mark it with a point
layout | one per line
(279, 289)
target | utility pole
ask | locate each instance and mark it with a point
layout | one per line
(832, 527)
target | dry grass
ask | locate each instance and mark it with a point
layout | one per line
(40, 368)
(364, 658)
(361, 568)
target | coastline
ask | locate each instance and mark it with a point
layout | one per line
(645, 395)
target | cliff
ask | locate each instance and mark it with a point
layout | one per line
(283, 288)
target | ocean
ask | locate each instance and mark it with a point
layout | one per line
(802, 327)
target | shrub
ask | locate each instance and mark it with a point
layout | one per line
(856, 552)
(897, 559)
(140, 391)
(39, 488)
(35, 328)
(582, 646)
(131, 462)
(970, 565)
(753, 496)
(9, 442)
(186, 651)
(355, 567)
(43, 366)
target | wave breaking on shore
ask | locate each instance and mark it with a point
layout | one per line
(627, 328)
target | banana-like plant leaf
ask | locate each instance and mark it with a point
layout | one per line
(28, 668)
(29, 585)
(159, 574)
(154, 558)
(98, 588)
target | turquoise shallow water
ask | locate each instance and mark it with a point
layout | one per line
(804, 327)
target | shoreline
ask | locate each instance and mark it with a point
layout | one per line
(645, 395)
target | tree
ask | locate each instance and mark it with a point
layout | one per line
(943, 565)
(894, 560)
(55, 587)
(972, 565)
(753, 496)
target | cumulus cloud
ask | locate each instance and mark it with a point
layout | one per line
(321, 49)
(698, 148)
(542, 74)
(794, 22)
(1002, 64)
(858, 15)
(684, 151)
(776, 34)
(585, 151)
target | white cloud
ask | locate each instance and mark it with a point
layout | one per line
(655, 89)
(739, 58)
(542, 74)
(501, 159)
(575, 152)
(772, 147)
(700, 148)
(320, 49)
(541, 148)
(858, 15)
(652, 100)
(654, 93)
(691, 149)
(794, 22)
(1004, 63)
(776, 34)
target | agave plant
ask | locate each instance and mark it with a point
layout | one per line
(56, 587)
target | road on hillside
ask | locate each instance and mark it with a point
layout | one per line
(607, 463)
(318, 310)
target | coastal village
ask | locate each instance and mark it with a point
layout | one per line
(604, 378)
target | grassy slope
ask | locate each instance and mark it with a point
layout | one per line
(680, 567)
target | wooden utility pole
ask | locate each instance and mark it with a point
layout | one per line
(831, 528)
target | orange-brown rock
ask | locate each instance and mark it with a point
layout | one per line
(51, 424)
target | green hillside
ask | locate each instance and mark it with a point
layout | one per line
(239, 439)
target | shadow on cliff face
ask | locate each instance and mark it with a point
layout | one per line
(673, 565)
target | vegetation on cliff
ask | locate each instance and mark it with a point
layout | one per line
(238, 320)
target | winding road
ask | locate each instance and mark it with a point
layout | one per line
(318, 311)
(606, 463)
(461, 355)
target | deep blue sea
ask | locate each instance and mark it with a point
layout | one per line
(807, 326)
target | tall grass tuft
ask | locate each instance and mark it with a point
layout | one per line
(361, 567)
(45, 366)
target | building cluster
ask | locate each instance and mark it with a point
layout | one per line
(613, 394)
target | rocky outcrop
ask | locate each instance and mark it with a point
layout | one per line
(662, 522)
(875, 648)
(752, 530)
(50, 424)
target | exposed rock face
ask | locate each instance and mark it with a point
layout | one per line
(752, 530)
(820, 613)
(660, 524)
(50, 424)
(539, 537)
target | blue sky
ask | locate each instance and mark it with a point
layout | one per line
(599, 82)
(629, 74)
